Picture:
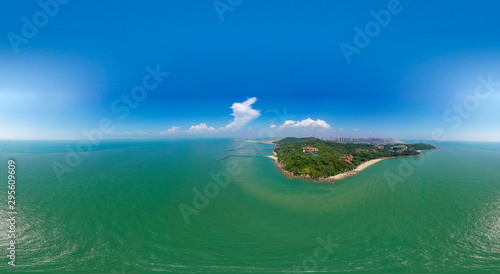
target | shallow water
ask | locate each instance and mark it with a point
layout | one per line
(118, 211)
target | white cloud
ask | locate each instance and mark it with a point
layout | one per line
(110, 133)
(126, 133)
(311, 123)
(142, 132)
(201, 128)
(340, 129)
(306, 123)
(356, 129)
(243, 114)
(273, 126)
(171, 130)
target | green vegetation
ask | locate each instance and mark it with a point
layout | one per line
(332, 155)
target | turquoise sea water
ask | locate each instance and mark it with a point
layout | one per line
(118, 211)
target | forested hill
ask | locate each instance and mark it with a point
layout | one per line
(333, 158)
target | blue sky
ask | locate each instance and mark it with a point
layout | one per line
(265, 63)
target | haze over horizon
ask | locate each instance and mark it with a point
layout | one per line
(262, 69)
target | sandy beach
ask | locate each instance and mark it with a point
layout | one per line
(355, 171)
(273, 157)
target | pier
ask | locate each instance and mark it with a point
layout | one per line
(245, 147)
(242, 156)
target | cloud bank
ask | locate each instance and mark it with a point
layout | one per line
(243, 114)
(201, 128)
(171, 130)
(306, 123)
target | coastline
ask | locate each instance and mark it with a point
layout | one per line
(273, 156)
(340, 176)
(357, 170)
(262, 142)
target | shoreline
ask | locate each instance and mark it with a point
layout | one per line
(254, 141)
(339, 176)
(273, 156)
(357, 170)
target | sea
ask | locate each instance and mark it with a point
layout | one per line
(170, 206)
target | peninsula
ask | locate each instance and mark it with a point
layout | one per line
(320, 160)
